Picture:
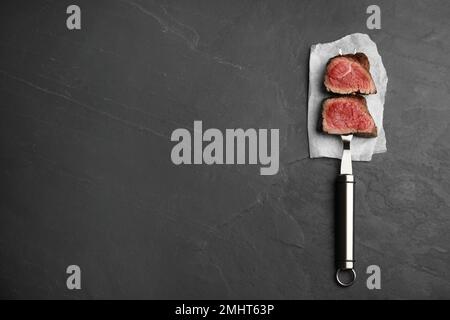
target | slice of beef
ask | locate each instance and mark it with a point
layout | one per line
(349, 74)
(347, 115)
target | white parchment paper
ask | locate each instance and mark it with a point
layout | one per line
(323, 145)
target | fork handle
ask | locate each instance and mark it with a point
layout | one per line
(345, 203)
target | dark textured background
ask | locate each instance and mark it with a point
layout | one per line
(86, 176)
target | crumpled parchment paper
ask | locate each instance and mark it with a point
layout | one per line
(323, 145)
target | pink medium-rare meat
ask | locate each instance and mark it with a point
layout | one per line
(349, 74)
(347, 115)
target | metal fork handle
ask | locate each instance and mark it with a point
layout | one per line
(345, 191)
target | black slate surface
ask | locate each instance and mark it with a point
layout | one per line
(86, 176)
